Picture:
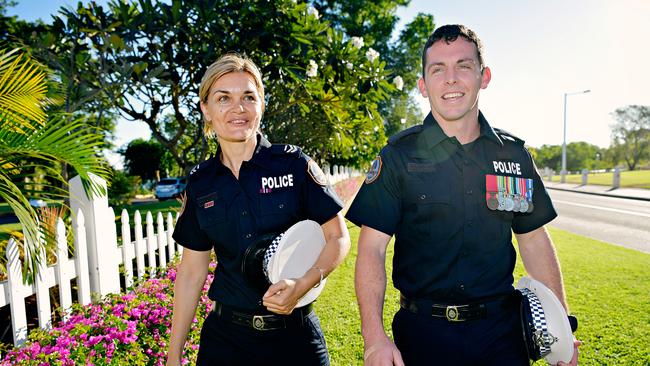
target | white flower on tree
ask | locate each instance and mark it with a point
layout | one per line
(312, 11)
(312, 70)
(372, 55)
(349, 65)
(357, 42)
(399, 82)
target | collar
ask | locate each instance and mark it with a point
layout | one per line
(433, 134)
(260, 157)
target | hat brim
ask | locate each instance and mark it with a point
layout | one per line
(556, 320)
(297, 252)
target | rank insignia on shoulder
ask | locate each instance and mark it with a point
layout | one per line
(374, 170)
(317, 174)
(290, 148)
(195, 169)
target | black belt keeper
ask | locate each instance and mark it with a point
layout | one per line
(261, 321)
(455, 313)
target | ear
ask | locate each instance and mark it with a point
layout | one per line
(204, 110)
(487, 76)
(422, 87)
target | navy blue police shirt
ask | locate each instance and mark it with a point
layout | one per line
(277, 187)
(430, 192)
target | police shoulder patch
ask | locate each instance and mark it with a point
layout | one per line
(316, 173)
(374, 170)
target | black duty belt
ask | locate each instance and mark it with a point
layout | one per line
(455, 313)
(261, 321)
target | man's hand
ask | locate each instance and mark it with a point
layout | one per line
(282, 296)
(382, 353)
(574, 360)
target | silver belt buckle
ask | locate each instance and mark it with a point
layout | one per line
(258, 322)
(452, 314)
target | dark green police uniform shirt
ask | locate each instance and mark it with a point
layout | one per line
(430, 193)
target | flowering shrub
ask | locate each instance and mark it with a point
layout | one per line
(346, 189)
(129, 329)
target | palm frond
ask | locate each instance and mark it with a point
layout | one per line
(22, 92)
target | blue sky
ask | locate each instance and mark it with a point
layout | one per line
(537, 51)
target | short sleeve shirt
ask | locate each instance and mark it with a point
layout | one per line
(278, 187)
(430, 192)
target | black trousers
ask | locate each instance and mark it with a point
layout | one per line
(224, 343)
(426, 340)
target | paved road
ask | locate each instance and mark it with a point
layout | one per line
(619, 221)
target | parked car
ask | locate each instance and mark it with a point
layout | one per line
(170, 187)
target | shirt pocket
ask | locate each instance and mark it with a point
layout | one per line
(211, 214)
(427, 209)
(278, 212)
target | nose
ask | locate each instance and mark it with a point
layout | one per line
(450, 76)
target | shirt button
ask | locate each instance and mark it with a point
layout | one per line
(462, 287)
(248, 236)
(281, 205)
(470, 223)
(469, 191)
(244, 213)
(423, 196)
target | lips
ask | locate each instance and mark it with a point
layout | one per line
(452, 96)
(238, 122)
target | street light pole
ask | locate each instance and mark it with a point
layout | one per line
(563, 172)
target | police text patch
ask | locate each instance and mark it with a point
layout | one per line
(270, 183)
(507, 167)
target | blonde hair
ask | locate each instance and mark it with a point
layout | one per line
(230, 62)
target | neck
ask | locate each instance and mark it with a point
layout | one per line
(233, 154)
(465, 130)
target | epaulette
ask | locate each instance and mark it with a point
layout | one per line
(507, 136)
(286, 149)
(402, 134)
(197, 168)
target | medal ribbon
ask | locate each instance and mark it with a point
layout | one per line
(529, 190)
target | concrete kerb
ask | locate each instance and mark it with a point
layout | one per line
(627, 193)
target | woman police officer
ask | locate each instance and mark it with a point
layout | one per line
(248, 189)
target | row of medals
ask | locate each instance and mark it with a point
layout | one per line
(508, 202)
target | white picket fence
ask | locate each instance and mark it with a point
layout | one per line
(97, 256)
(96, 261)
(337, 173)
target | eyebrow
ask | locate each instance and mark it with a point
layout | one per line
(228, 91)
(462, 60)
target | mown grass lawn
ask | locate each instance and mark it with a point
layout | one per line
(629, 179)
(608, 289)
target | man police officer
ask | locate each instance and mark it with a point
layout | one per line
(451, 190)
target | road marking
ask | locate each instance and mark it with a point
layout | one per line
(603, 208)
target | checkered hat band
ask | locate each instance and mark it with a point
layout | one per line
(270, 251)
(539, 319)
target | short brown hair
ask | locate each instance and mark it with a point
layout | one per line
(230, 62)
(449, 33)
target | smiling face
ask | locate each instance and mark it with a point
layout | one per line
(452, 80)
(233, 107)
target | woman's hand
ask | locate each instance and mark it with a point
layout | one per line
(282, 296)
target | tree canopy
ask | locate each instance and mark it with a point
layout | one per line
(631, 134)
(335, 82)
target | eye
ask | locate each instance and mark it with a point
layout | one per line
(249, 99)
(223, 99)
(465, 66)
(436, 70)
